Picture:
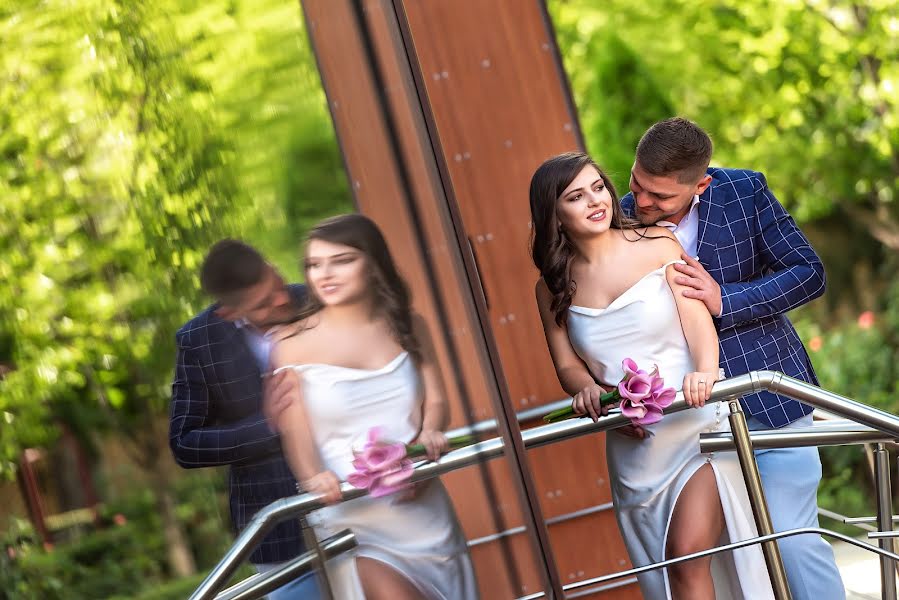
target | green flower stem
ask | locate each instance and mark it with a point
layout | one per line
(568, 413)
(460, 441)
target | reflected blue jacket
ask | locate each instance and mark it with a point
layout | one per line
(216, 419)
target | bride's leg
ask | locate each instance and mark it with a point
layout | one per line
(383, 582)
(696, 525)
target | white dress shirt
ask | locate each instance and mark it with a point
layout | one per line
(260, 344)
(687, 231)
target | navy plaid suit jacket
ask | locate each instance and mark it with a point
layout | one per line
(216, 419)
(765, 265)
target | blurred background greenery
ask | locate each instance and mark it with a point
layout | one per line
(132, 136)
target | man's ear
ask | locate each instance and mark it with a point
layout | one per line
(702, 185)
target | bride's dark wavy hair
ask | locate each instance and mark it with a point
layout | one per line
(551, 250)
(390, 291)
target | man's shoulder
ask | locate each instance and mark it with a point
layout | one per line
(736, 180)
(201, 328)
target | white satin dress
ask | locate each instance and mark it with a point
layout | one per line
(648, 475)
(421, 537)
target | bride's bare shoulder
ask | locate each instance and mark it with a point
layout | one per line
(295, 343)
(290, 331)
(650, 232)
(656, 245)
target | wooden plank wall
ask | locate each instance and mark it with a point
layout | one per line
(471, 99)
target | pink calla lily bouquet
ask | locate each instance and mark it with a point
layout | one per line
(641, 395)
(384, 467)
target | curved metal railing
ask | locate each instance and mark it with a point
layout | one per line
(882, 427)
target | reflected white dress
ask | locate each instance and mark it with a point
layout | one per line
(420, 538)
(648, 475)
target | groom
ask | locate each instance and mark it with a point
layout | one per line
(750, 264)
(217, 397)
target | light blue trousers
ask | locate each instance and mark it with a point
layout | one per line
(790, 477)
(301, 588)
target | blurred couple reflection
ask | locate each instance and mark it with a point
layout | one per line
(347, 354)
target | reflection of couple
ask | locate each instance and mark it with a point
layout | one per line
(616, 282)
(353, 357)
(365, 361)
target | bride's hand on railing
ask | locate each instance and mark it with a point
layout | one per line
(698, 387)
(324, 484)
(435, 443)
(586, 402)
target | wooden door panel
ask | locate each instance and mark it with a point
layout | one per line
(503, 568)
(499, 104)
(487, 73)
(571, 475)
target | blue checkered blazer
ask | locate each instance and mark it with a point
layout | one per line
(766, 267)
(216, 419)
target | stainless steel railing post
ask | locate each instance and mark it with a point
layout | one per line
(757, 501)
(884, 519)
(321, 571)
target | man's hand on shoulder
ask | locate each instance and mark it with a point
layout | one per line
(700, 285)
(278, 392)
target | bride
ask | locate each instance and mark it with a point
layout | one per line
(363, 360)
(607, 293)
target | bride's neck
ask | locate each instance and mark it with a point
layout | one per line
(354, 314)
(596, 248)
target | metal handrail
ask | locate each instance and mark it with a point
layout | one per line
(264, 520)
(523, 416)
(260, 584)
(727, 389)
(829, 434)
(817, 397)
(717, 550)
(854, 522)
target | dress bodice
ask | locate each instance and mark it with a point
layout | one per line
(343, 403)
(642, 323)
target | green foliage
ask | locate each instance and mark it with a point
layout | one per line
(113, 173)
(131, 138)
(803, 90)
(267, 87)
(104, 563)
(124, 560)
(860, 358)
(177, 589)
(617, 93)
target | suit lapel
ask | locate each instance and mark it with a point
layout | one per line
(711, 214)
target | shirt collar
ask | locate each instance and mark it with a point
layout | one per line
(692, 209)
(245, 325)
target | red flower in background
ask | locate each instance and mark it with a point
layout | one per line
(866, 320)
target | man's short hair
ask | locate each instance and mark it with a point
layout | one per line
(675, 147)
(230, 267)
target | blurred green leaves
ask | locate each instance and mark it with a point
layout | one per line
(132, 137)
(806, 91)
